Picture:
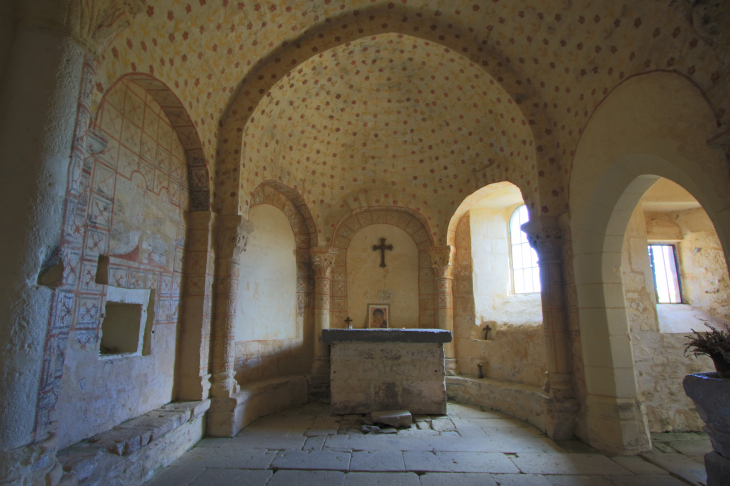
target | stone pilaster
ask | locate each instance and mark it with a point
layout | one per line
(323, 259)
(193, 381)
(232, 232)
(441, 257)
(546, 237)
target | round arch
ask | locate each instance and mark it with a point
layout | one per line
(198, 172)
(652, 126)
(405, 19)
(415, 225)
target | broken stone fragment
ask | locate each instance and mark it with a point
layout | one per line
(388, 430)
(373, 429)
(394, 418)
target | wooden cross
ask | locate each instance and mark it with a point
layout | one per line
(348, 321)
(382, 247)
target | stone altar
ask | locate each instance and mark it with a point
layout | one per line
(387, 369)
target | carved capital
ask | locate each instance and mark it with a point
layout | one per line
(232, 235)
(545, 236)
(441, 260)
(95, 23)
(323, 259)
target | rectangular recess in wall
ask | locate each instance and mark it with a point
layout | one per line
(663, 260)
(120, 329)
(127, 321)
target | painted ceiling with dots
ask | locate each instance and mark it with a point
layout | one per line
(415, 103)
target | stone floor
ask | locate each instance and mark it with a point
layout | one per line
(468, 447)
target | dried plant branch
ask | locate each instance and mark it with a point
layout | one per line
(715, 342)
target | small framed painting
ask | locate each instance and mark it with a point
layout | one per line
(378, 316)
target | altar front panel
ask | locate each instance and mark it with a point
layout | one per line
(379, 370)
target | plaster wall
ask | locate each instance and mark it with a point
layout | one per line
(269, 332)
(659, 360)
(515, 349)
(136, 216)
(38, 106)
(396, 284)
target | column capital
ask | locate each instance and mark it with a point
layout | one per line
(323, 259)
(95, 23)
(544, 235)
(233, 231)
(441, 260)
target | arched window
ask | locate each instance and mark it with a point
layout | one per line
(525, 271)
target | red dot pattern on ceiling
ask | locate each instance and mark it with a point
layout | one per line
(402, 119)
(559, 60)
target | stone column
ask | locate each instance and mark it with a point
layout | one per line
(193, 377)
(232, 233)
(546, 237)
(441, 263)
(323, 259)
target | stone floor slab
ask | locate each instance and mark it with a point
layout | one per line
(227, 477)
(520, 480)
(457, 479)
(377, 461)
(458, 462)
(331, 460)
(320, 432)
(560, 480)
(228, 458)
(381, 479)
(661, 480)
(314, 443)
(680, 465)
(638, 465)
(270, 442)
(492, 423)
(307, 478)
(692, 448)
(583, 464)
(175, 476)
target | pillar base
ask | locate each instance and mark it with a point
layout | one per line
(319, 381)
(616, 426)
(560, 418)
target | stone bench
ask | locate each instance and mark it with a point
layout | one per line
(525, 402)
(133, 450)
(228, 416)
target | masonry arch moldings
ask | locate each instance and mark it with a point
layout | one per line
(292, 354)
(198, 176)
(352, 26)
(415, 225)
(651, 126)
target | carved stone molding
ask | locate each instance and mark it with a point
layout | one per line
(323, 259)
(720, 139)
(545, 236)
(233, 233)
(441, 260)
(95, 23)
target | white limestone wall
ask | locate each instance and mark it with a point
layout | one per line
(269, 333)
(396, 284)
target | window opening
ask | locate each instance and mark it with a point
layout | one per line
(666, 277)
(525, 270)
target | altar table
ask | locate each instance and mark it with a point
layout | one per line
(387, 369)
